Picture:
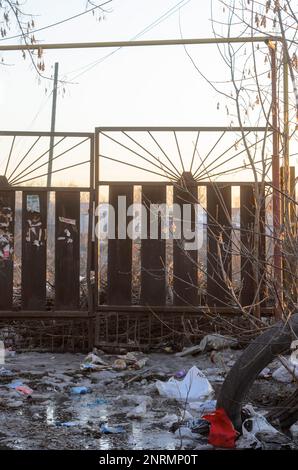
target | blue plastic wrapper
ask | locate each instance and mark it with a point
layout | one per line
(67, 424)
(105, 429)
(15, 384)
(80, 390)
(95, 403)
(5, 372)
(199, 426)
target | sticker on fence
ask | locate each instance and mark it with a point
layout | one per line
(35, 234)
(33, 203)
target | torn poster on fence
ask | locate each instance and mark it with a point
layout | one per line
(35, 233)
(33, 203)
(5, 216)
(67, 236)
(6, 245)
(67, 221)
(6, 235)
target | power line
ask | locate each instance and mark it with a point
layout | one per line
(57, 23)
(156, 22)
(86, 68)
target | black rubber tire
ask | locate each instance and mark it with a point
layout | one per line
(276, 340)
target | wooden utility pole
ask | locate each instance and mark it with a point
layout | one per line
(276, 197)
(53, 123)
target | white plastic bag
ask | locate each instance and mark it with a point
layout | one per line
(139, 412)
(285, 373)
(194, 387)
(169, 419)
(253, 425)
(256, 424)
(203, 407)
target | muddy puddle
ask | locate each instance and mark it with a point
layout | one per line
(54, 418)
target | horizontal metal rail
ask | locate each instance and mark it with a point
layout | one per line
(171, 183)
(183, 129)
(156, 42)
(131, 129)
(232, 310)
(44, 314)
(45, 134)
(82, 189)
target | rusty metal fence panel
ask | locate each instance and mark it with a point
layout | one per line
(67, 246)
(34, 263)
(249, 236)
(40, 276)
(154, 268)
(219, 259)
(7, 218)
(34, 250)
(153, 251)
(185, 276)
(120, 253)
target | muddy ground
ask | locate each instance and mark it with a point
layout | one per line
(37, 422)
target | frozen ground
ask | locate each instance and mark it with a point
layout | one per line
(35, 422)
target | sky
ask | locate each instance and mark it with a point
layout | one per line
(133, 87)
(142, 86)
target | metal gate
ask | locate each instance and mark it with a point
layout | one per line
(44, 236)
(143, 275)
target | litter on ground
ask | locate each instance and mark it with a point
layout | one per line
(193, 387)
